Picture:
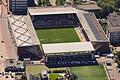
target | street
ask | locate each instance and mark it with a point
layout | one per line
(112, 71)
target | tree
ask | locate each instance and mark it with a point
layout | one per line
(117, 4)
(39, 3)
(60, 2)
(76, 1)
(43, 2)
(107, 7)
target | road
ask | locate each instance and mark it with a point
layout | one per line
(112, 71)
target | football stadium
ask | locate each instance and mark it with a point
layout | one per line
(62, 36)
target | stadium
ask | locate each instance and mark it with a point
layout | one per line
(67, 35)
(61, 36)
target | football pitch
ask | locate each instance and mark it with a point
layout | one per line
(58, 35)
(89, 72)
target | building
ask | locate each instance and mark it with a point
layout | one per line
(113, 21)
(93, 31)
(85, 22)
(18, 6)
(92, 7)
(45, 17)
(69, 54)
(27, 43)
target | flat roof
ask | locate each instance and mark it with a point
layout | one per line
(89, 7)
(113, 22)
(91, 26)
(23, 30)
(95, 27)
(50, 10)
(67, 47)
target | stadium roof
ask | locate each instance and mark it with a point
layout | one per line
(23, 30)
(67, 47)
(50, 10)
(91, 26)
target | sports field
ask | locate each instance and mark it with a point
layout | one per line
(89, 72)
(59, 35)
(36, 69)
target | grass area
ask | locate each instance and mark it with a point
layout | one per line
(89, 72)
(54, 76)
(59, 35)
(36, 69)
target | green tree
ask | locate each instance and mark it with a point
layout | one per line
(43, 2)
(107, 7)
(39, 3)
(117, 4)
(76, 1)
(60, 2)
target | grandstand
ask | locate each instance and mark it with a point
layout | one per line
(69, 54)
(48, 19)
(25, 37)
(94, 32)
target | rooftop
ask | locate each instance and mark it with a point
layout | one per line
(89, 7)
(91, 26)
(114, 22)
(23, 30)
(67, 47)
(50, 10)
(95, 27)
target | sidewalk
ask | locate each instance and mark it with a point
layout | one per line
(112, 73)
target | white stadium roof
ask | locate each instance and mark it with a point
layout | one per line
(67, 47)
(50, 10)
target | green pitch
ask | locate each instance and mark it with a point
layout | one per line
(89, 72)
(59, 35)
